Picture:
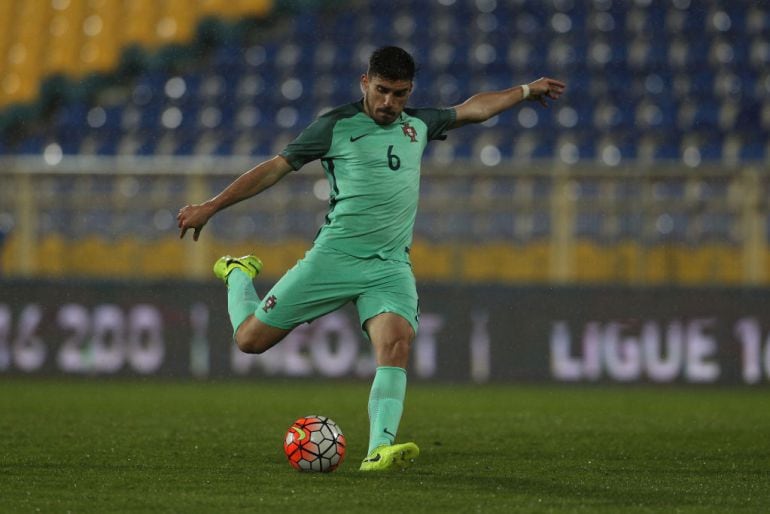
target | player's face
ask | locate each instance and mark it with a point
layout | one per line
(384, 99)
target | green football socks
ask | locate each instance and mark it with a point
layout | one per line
(386, 404)
(242, 298)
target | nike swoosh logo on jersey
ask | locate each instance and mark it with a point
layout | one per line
(354, 139)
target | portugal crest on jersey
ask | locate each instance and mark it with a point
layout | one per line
(270, 303)
(409, 131)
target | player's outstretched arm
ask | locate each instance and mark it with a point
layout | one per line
(247, 185)
(481, 107)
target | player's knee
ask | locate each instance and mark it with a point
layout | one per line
(405, 347)
(249, 338)
(395, 351)
(255, 337)
(402, 345)
(250, 345)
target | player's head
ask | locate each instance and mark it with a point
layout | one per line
(387, 83)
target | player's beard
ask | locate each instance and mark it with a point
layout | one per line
(388, 115)
(380, 116)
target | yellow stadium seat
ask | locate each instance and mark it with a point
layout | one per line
(140, 22)
(7, 16)
(100, 48)
(23, 52)
(254, 7)
(235, 8)
(64, 40)
(184, 15)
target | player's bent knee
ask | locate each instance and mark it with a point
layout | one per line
(254, 342)
(255, 337)
(249, 346)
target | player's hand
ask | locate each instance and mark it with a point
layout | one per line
(544, 88)
(193, 217)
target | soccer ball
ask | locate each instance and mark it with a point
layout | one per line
(314, 443)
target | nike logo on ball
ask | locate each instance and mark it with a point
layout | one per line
(354, 139)
(300, 433)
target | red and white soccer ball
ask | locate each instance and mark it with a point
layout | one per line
(314, 443)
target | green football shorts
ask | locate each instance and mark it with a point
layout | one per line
(326, 279)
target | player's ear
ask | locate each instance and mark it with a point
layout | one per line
(364, 83)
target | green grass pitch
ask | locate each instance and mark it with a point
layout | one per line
(120, 446)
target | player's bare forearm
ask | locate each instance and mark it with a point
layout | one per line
(249, 184)
(482, 106)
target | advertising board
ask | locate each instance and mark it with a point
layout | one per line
(467, 333)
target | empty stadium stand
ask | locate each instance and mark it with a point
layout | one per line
(681, 79)
(666, 120)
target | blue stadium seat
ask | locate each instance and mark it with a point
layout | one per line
(31, 145)
(706, 117)
(753, 149)
(668, 146)
(108, 145)
(69, 139)
(71, 115)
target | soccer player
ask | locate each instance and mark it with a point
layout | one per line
(371, 151)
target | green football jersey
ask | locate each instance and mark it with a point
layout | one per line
(374, 175)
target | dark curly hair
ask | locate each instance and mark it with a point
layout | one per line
(391, 63)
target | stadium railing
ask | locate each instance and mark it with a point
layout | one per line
(639, 224)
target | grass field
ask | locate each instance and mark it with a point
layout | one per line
(114, 446)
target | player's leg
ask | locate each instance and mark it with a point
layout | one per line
(251, 335)
(389, 308)
(391, 336)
